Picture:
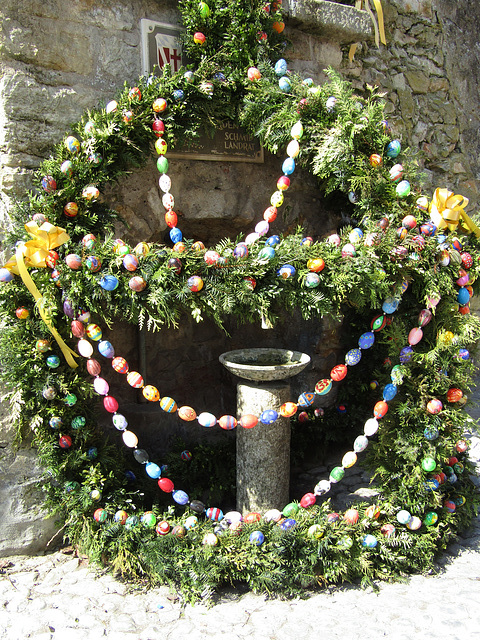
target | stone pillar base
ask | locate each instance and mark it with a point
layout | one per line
(263, 453)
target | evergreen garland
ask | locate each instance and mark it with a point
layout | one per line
(336, 148)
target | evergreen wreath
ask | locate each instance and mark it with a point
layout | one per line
(406, 247)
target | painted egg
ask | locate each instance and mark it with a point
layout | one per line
(283, 183)
(288, 409)
(53, 362)
(355, 236)
(338, 372)
(393, 148)
(65, 442)
(322, 487)
(378, 322)
(186, 413)
(209, 539)
(430, 518)
(277, 198)
(430, 433)
(454, 395)
(396, 173)
(72, 144)
(71, 209)
(130, 262)
(415, 335)
(403, 516)
(286, 271)
(93, 264)
(94, 332)
(166, 485)
(351, 516)
(120, 365)
(348, 251)
(360, 444)
(257, 538)
(380, 409)
(312, 280)
(55, 422)
(195, 283)
(269, 416)
(100, 515)
(227, 422)
(370, 427)
(330, 104)
(287, 524)
(434, 406)
(168, 404)
(337, 474)
(253, 74)
(390, 305)
(135, 380)
(461, 446)
(375, 160)
(293, 149)
(214, 513)
(323, 386)
(389, 392)
(349, 459)
(406, 354)
(106, 349)
(206, 419)
(409, 222)
(352, 196)
(450, 506)
(151, 393)
(306, 399)
(182, 498)
(429, 464)
(109, 282)
(353, 357)
(101, 386)
(366, 340)
(252, 517)
(333, 517)
(463, 296)
(137, 284)
(240, 251)
(70, 399)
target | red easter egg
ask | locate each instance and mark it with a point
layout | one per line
(65, 442)
(351, 516)
(253, 74)
(171, 219)
(339, 372)
(78, 328)
(162, 528)
(199, 37)
(52, 259)
(308, 500)
(270, 214)
(434, 406)
(166, 485)
(94, 367)
(110, 404)
(454, 395)
(415, 336)
(248, 421)
(252, 517)
(380, 409)
(70, 209)
(227, 422)
(283, 183)
(158, 127)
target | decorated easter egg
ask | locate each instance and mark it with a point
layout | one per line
(390, 304)
(349, 459)
(463, 296)
(380, 409)
(94, 332)
(93, 264)
(450, 506)
(137, 284)
(393, 148)
(101, 386)
(348, 251)
(336, 474)
(293, 149)
(135, 380)
(6, 275)
(323, 386)
(454, 394)
(269, 416)
(166, 485)
(389, 392)
(72, 144)
(153, 470)
(288, 409)
(287, 524)
(120, 364)
(214, 513)
(396, 173)
(403, 516)
(94, 368)
(351, 516)
(461, 446)
(403, 188)
(168, 404)
(338, 372)
(65, 442)
(109, 282)
(186, 413)
(369, 541)
(286, 271)
(378, 322)
(252, 517)
(209, 539)
(84, 348)
(330, 104)
(195, 283)
(257, 538)
(253, 74)
(179, 531)
(430, 518)
(406, 354)
(55, 422)
(130, 262)
(106, 349)
(360, 443)
(430, 432)
(248, 421)
(305, 399)
(182, 498)
(71, 209)
(366, 340)
(53, 362)
(151, 393)
(434, 406)
(227, 422)
(312, 280)
(70, 399)
(428, 464)
(100, 515)
(353, 357)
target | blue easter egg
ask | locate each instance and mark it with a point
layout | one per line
(285, 84)
(281, 67)
(288, 166)
(92, 453)
(153, 470)
(268, 417)
(305, 399)
(240, 251)
(406, 354)
(175, 235)
(53, 362)
(256, 537)
(287, 524)
(430, 433)
(390, 305)
(180, 497)
(272, 241)
(393, 148)
(463, 296)
(178, 94)
(431, 484)
(106, 349)
(464, 354)
(56, 422)
(109, 282)
(308, 82)
(389, 392)
(369, 541)
(130, 476)
(286, 271)
(131, 521)
(5, 275)
(214, 513)
(353, 357)
(366, 340)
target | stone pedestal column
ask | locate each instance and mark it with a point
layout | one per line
(263, 453)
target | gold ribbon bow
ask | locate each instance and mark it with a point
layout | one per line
(447, 212)
(33, 254)
(378, 28)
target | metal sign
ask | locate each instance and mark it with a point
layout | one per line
(161, 46)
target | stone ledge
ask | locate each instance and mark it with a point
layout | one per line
(329, 20)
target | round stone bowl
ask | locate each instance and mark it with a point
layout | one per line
(264, 364)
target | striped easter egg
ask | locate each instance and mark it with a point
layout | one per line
(206, 419)
(168, 404)
(120, 365)
(227, 422)
(323, 386)
(94, 332)
(135, 380)
(305, 399)
(214, 513)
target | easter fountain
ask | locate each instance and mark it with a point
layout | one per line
(263, 453)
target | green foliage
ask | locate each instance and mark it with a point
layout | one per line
(336, 147)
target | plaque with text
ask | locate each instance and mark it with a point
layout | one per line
(161, 46)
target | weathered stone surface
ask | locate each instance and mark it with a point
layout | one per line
(418, 81)
(330, 20)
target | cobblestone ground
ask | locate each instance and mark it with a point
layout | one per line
(58, 596)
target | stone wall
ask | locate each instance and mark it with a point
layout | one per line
(58, 59)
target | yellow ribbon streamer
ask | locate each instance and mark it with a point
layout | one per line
(379, 28)
(33, 254)
(447, 212)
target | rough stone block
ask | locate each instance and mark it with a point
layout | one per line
(337, 22)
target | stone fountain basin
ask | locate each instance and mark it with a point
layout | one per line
(264, 364)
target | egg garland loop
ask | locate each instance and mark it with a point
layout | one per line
(121, 517)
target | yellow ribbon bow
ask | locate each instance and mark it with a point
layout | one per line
(378, 28)
(33, 254)
(447, 212)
